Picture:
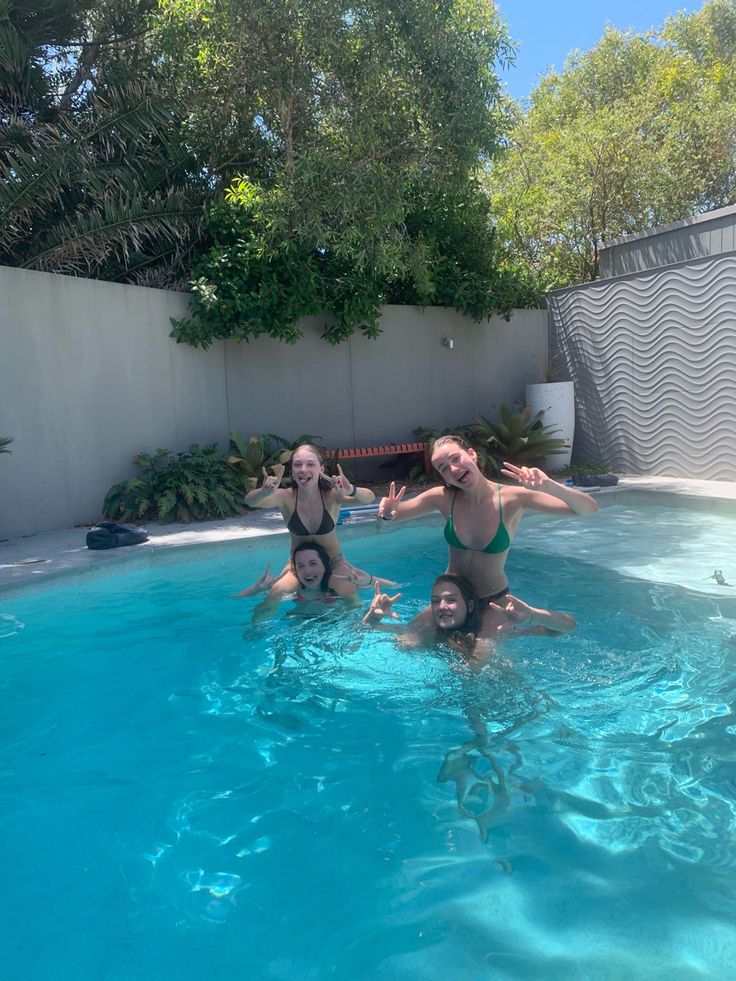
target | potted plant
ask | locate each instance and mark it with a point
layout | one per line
(556, 399)
(524, 438)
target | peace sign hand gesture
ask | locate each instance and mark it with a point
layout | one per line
(518, 614)
(341, 483)
(381, 606)
(387, 507)
(530, 477)
(274, 482)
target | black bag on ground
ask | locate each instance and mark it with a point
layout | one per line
(113, 534)
(595, 480)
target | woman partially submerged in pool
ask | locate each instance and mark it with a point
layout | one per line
(315, 586)
(310, 507)
(457, 617)
(481, 516)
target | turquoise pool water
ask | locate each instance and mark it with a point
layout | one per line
(184, 797)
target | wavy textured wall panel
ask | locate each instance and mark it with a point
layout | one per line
(654, 362)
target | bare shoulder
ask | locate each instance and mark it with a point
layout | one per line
(514, 498)
(284, 496)
(438, 496)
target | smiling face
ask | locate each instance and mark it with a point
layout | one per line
(456, 464)
(449, 608)
(305, 466)
(310, 569)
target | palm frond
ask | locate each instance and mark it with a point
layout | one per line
(119, 225)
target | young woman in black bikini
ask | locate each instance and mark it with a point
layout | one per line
(482, 516)
(313, 501)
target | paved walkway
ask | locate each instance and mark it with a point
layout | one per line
(36, 557)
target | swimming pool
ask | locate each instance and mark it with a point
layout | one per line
(184, 796)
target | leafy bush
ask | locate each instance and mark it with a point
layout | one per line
(517, 437)
(259, 277)
(191, 486)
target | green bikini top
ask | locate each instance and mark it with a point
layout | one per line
(499, 543)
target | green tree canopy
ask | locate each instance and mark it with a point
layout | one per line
(345, 136)
(637, 131)
(95, 177)
(334, 151)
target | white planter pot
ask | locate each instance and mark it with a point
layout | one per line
(557, 399)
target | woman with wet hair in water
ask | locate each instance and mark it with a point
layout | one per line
(456, 616)
(315, 590)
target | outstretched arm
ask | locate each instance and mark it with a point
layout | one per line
(566, 500)
(394, 508)
(517, 617)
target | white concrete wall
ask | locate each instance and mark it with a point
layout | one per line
(89, 376)
(374, 391)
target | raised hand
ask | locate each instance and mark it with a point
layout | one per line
(531, 477)
(341, 483)
(261, 585)
(381, 606)
(387, 505)
(273, 482)
(517, 614)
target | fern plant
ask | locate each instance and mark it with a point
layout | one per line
(518, 437)
(195, 485)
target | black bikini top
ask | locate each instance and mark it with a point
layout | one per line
(297, 527)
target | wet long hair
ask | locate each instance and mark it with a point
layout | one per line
(324, 482)
(321, 552)
(471, 624)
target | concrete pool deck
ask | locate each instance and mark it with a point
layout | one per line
(34, 558)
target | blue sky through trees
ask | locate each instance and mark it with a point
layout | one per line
(548, 30)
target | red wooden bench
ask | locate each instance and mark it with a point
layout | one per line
(389, 449)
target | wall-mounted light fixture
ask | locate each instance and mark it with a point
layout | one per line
(448, 342)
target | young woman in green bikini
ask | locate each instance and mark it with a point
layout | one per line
(482, 516)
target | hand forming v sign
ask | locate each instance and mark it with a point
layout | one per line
(387, 506)
(531, 477)
(519, 614)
